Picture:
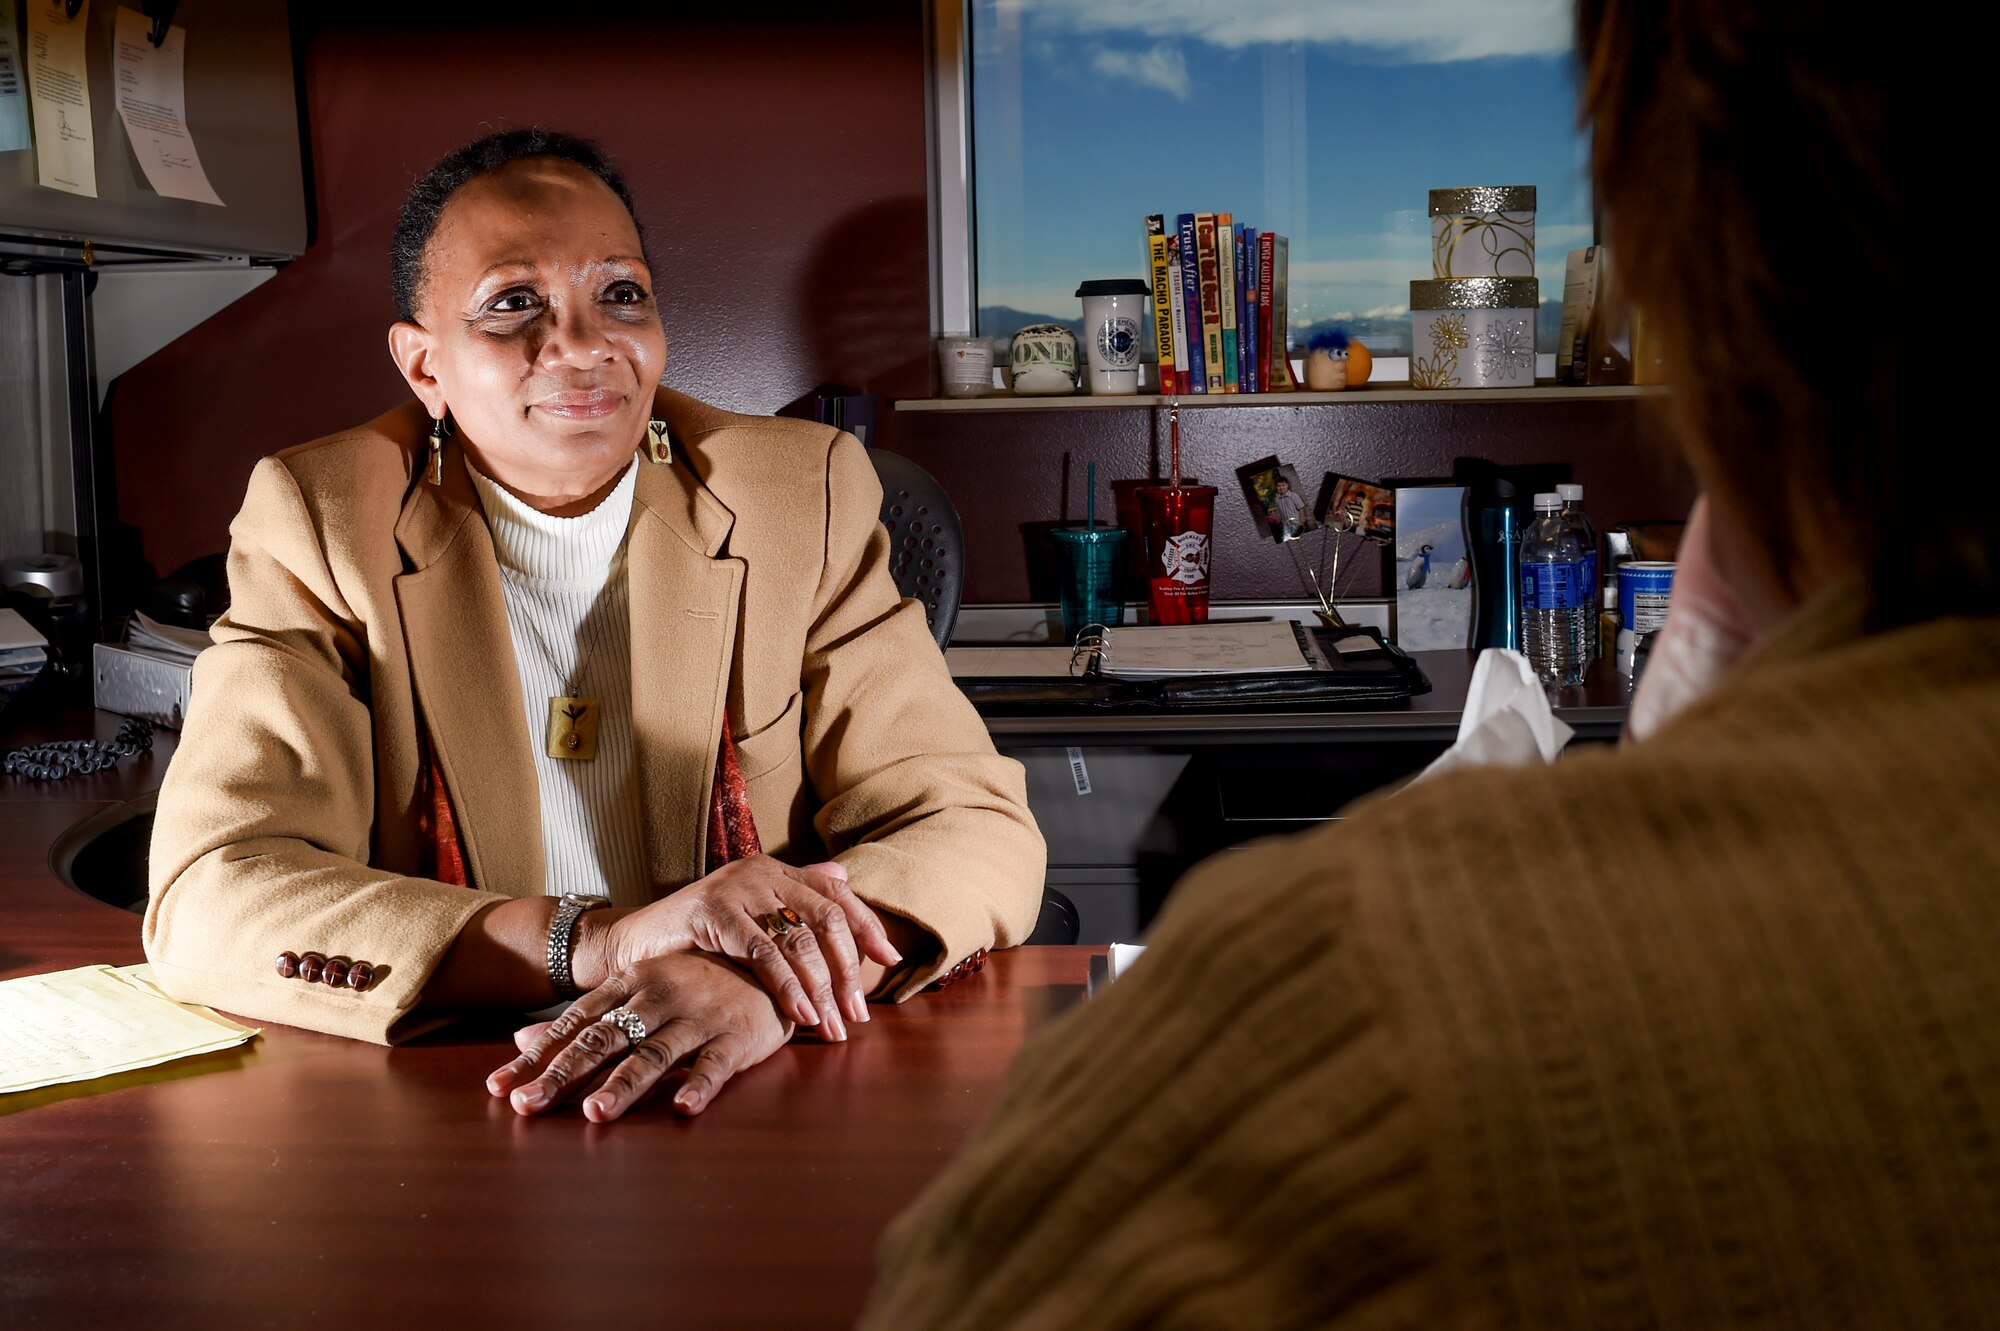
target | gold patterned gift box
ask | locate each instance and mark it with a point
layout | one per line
(1483, 231)
(1473, 332)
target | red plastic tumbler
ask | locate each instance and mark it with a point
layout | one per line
(1177, 522)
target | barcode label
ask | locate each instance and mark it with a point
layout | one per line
(1078, 772)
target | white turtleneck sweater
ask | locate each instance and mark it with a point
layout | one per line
(565, 586)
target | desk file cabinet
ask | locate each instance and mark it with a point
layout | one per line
(1130, 802)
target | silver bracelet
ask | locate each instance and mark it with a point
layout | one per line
(562, 940)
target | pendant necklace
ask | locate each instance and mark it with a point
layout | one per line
(573, 718)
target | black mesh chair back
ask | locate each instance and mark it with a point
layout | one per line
(926, 542)
(1058, 924)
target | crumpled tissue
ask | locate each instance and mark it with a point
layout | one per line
(1508, 721)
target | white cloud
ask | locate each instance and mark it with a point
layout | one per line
(1398, 30)
(1163, 68)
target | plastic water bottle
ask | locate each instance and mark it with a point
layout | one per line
(1572, 511)
(1557, 610)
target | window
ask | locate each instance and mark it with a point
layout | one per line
(1327, 121)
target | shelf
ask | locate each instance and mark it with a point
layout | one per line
(1352, 397)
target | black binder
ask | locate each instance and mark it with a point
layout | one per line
(1377, 673)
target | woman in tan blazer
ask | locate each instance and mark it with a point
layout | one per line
(751, 780)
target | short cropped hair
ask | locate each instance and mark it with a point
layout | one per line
(434, 189)
(1765, 175)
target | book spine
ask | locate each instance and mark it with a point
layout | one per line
(1191, 297)
(1209, 276)
(1267, 259)
(1242, 313)
(1253, 357)
(1281, 324)
(1163, 327)
(1225, 256)
(1177, 312)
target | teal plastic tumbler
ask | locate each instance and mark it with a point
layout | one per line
(1089, 558)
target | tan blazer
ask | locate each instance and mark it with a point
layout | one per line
(366, 611)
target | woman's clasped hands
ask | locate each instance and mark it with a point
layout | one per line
(699, 986)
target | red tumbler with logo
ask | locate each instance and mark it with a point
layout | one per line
(1176, 522)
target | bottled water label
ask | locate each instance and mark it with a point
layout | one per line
(1562, 586)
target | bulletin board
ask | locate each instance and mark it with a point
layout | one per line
(242, 110)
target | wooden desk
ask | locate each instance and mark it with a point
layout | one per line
(309, 1180)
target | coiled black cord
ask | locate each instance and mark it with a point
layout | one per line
(79, 757)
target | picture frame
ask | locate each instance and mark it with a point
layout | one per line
(1368, 508)
(1277, 499)
(1431, 566)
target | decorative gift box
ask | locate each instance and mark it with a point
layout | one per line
(1483, 231)
(1473, 332)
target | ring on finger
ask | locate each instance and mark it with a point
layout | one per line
(780, 922)
(628, 1021)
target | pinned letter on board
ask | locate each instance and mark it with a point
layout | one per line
(152, 101)
(59, 88)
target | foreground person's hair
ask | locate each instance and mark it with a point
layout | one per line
(1762, 171)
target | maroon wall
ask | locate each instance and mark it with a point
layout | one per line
(1028, 469)
(776, 163)
(779, 166)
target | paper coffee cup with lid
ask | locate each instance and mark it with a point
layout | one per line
(1114, 320)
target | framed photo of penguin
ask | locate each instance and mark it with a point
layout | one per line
(1432, 568)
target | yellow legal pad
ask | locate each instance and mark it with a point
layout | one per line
(97, 1020)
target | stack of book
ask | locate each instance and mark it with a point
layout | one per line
(1219, 305)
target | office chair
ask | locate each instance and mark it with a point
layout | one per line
(926, 541)
(927, 560)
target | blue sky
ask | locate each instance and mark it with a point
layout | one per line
(1327, 120)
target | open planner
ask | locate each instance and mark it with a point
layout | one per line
(1162, 651)
(1169, 651)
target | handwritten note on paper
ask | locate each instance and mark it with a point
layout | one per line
(152, 101)
(59, 90)
(97, 1020)
(14, 134)
(1227, 647)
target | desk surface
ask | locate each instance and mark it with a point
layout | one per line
(308, 1177)
(314, 1180)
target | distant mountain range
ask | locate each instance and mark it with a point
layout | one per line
(1385, 335)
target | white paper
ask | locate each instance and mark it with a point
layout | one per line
(96, 1020)
(1228, 647)
(1507, 721)
(1120, 957)
(1003, 662)
(14, 134)
(59, 89)
(167, 639)
(152, 101)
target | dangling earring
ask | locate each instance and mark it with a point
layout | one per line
(658, 447)
(437, 452)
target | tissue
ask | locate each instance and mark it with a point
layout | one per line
(1508, 721)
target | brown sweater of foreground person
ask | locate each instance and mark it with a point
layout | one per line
(1702, 1032)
